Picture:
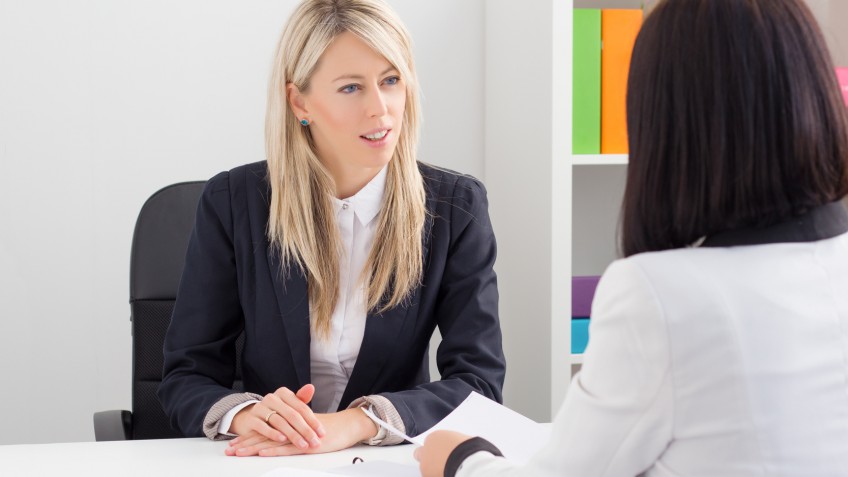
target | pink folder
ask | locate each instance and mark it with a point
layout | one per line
(842, 74)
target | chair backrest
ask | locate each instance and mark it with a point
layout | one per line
(157, 258)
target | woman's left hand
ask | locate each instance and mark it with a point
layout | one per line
(344, 429)
(434, 454)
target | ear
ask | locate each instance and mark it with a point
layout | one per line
(297, 101)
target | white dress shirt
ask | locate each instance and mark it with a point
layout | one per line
(708, 362)
(332, 361)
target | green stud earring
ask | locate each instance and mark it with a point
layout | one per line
(304, 122)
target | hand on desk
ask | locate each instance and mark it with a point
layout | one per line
(434, 454)
(343, 429)
(281, 417)
(283, 424)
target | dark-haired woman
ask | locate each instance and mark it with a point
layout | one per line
(720, 343)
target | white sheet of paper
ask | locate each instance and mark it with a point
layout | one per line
(518, 437)
(391, 428)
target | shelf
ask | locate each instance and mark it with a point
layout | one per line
(598, 159)
(576, 359)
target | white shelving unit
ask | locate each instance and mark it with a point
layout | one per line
(529, 171)
(598, 159)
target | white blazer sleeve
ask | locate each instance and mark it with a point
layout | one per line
(617, 417)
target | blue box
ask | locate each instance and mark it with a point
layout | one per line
(579, 335)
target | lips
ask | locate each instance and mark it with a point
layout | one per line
(376, 135)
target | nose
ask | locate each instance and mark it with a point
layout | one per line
(376, 103)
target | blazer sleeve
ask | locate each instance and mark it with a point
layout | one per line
(199, 349)
(470, 356)
(617, 418)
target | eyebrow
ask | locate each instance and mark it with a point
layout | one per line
(360, 77)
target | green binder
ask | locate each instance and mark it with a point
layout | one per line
(586, 93)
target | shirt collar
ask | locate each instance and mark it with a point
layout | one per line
(820, 223)
(367, 202)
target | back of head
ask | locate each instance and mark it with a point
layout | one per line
(735, 119)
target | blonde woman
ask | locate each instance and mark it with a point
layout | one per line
(336, 258)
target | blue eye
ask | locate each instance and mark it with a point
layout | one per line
(391, 81)
(351, 88)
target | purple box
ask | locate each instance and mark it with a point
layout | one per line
(582, 293)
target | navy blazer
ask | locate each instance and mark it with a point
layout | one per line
(232, 282)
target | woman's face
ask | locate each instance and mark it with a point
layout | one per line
(355, 105)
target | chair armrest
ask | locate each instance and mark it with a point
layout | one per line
(115, 425)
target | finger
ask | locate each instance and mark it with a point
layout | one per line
(294, 437)
(257, 424)
(241, 438)
(256, 439)
(298, 415)
(240, 451)
(416, 454)
(306, 393)
(255, 449)
(235, 444)
(278, 421)
(286, 449)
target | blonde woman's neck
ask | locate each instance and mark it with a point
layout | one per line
(350, 180)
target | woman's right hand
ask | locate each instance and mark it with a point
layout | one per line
(282, 416)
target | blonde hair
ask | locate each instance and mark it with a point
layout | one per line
(302, 226)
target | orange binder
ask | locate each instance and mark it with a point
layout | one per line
(618, 32)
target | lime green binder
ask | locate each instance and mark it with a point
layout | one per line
(586, 92)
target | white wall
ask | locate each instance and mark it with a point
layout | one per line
(102, 102)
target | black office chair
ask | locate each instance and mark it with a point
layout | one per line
(156, 265)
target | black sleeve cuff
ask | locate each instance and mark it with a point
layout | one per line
(464, 450)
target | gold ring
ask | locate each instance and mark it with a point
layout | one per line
(268, 417)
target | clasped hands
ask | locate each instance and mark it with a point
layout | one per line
(283, 424)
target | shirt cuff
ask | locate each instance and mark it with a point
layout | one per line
(459, 457)
(468, 465)
(213, 420)
(226, 421)
(385, 410)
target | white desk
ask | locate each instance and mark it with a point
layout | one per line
(169, 457)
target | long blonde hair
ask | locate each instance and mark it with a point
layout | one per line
(302, 226)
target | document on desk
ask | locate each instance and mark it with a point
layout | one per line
(516, 436)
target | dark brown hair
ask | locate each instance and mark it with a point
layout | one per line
(735, 119)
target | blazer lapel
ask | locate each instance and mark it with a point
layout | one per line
(293, 301)
(378, 345)
(382, 332)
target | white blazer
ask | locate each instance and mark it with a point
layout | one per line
(708, 362)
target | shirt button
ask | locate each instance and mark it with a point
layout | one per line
(345, 206)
